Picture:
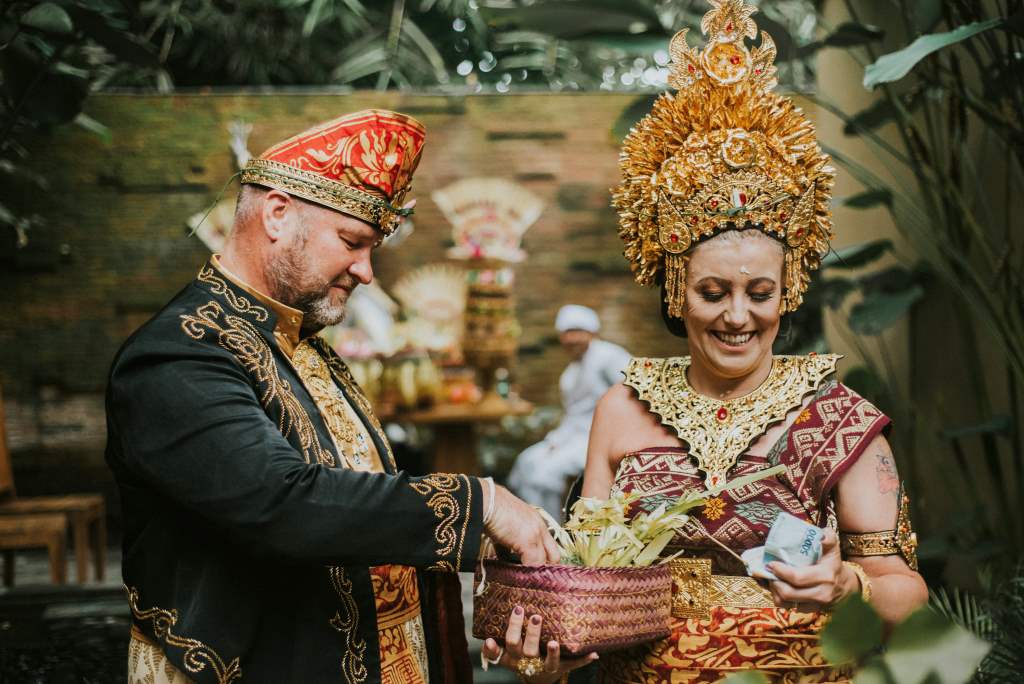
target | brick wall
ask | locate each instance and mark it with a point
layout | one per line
(116, 246)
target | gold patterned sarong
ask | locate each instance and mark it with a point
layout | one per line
(781, 643)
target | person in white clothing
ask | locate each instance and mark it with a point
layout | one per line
(540, 473)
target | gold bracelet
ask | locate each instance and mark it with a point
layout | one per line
(865, 581)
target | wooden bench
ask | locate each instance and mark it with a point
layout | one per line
(85, 513)
(47, 530)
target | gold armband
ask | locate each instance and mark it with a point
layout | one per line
(902, 540)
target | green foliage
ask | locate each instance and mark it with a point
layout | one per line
(951, 101)
(751, 677)
(853, 633)
(926, 647)
(52, 55)
(1005, 662)
(896, 65)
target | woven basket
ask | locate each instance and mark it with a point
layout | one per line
(584, 609)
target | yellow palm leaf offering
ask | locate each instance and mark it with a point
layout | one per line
(612, 589)
(601, 533)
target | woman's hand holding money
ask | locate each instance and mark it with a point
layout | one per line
(814, 587)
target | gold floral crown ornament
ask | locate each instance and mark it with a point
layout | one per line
(723, 153)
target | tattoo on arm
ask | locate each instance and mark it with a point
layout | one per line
(885, 469)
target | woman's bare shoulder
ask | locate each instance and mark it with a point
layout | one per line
(627, 421)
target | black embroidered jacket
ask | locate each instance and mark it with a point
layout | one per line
(247, 548)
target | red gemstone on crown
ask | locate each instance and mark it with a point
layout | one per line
(728, 27)
(689, 67)
(743, 198)
(722, 414)
(735, 59)
(673, 237)
(714, 204)
(783, 217)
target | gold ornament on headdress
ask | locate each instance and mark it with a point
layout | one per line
(723, 153)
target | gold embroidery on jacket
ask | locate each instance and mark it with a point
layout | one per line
(197, 654)
(346, 621)
(239, 303)
(245, 342)
(344, 377)
(350, 435)
(440, 490)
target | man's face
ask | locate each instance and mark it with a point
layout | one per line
(320, 262)
(575, 342)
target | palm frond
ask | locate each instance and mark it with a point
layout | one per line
(963, 609)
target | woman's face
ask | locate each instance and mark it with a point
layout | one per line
(733, 290)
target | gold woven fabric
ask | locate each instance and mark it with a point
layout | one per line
(723, 153)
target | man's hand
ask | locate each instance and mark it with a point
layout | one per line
(518, 526)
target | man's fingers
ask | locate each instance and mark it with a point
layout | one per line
(534, 554)
(551, 548)
(514, 633)
(531, 644)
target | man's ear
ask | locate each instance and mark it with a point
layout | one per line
(278, 214)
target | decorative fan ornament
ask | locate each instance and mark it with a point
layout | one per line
(489, 217)
(436, 292)
(434, 299)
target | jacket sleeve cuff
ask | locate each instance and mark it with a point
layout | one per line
(457, 504)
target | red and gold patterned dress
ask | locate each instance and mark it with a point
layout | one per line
(723, 620)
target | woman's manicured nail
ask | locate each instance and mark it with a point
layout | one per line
(535, 619)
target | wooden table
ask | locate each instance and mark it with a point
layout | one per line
(454, 433)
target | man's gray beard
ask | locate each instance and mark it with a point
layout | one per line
(291, 286)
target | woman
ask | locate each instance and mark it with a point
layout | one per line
(724, 204)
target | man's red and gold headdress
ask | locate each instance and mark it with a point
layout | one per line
(723, 153)
(360, 164)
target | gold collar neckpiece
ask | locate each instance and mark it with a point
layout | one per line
(717, 432)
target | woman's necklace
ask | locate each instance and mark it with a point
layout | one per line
(718, 431)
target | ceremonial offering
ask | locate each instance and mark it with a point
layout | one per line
(433, 298)
(489, 217)
(584, 609)
(613, 588)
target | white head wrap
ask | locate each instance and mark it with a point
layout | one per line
(576, 317)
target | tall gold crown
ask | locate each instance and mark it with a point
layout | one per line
(723, 153)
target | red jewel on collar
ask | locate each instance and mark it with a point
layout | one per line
(722, 414)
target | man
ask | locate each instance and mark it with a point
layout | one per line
(268, 535)
(541, 472)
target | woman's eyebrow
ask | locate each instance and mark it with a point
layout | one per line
(715, 279)
(761, 280)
